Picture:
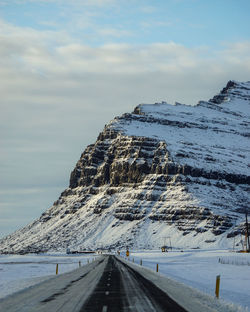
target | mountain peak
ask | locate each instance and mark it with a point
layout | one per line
(233, 90)
(176, 171)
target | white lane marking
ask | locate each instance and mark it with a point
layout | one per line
(107, 293)
(109, 279)
(108, 284)
(104, 309)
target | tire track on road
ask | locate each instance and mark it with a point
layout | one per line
(123, 289)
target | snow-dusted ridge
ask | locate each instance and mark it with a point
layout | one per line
(163, 170)
(210, 126)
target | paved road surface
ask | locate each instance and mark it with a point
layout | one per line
(123, 289)
(105, 285)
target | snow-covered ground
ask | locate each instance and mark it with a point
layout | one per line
(199, 268)
(196, 268)
(18, 272)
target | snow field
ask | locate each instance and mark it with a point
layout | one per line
(18, 272)
(199, 268)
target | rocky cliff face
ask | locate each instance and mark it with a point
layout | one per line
(163, 171)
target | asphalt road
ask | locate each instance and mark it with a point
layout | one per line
(123, 289)
(105, 285)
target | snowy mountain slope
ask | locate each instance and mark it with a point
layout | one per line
(164, 170)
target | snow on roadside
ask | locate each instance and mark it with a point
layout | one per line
(199, 268)
(196, 268)
(18, 272)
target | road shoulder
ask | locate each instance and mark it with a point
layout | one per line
(186, 296)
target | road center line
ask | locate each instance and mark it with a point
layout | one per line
(107, 293)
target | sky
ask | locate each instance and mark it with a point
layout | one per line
(67, 67)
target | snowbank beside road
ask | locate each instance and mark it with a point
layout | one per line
(19, 272)
(199, 268)
(65, 292)
(189, 298)
(195, 268)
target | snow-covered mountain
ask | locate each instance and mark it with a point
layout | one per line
(163, 172)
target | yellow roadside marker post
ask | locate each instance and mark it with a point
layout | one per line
(141, 262)
(56, 268)
(217, 286)
(157, 267)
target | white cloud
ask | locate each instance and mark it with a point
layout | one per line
(34, 71)
(33, 57)
(114, 32)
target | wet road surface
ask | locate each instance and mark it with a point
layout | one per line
(123, 289)
(106, 285)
